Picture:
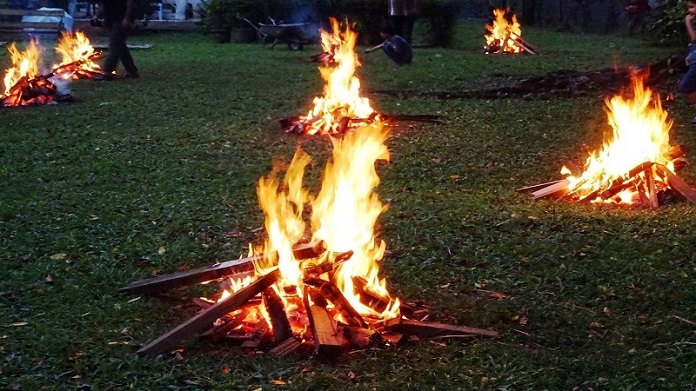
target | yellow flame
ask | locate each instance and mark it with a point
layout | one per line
(341, 97)
(284, 225)
(640, 133)
(24, 64)
(76, 47)
(502, 32)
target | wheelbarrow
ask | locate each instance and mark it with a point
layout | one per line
(292, 34)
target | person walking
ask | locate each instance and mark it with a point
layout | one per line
(402, 14)
(118, 19)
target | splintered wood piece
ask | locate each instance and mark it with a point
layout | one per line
(204, 318)
(209, 273)
(537, 187)
(368, 297)
(652, 190)
(677, 183)
(556, 187)
(331, 292)
(226, 325)
(428, 329)
(285, 348)
(361, 338)
(326, 267)
(524, 45)
(328, 341)
(619, 184)
(276, 312)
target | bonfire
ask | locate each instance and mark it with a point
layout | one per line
(23, 83)
(319, 283)
(77, 57)
(340, 107)
(636, 164)
(504, 34)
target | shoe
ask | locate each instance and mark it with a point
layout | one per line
(132, 75)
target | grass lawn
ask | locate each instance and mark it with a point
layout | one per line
(142, 177)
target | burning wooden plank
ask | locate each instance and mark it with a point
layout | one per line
(280, 325)
(206, 317)
(334, 295)
(328, 341)
(210, 273)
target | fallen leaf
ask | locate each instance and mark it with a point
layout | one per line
(48, 279)
(18, 324)
(183, 268)
(445, 286)
(351, 376)
(307, 370)
(178, 356)
(161, 250)
(455, 176)
(437, 160)
(498, 295)
(278, 382)
(523, 320)
(58, 257)
(225, 370)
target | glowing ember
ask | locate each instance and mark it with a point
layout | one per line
(22, 82)
(77, 56)
(502, 36)
(340, 107)
(639, 141)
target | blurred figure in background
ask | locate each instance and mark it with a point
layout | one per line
(402, 14)
(118, 18)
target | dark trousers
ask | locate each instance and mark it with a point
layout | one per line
(118, 50)
(404, 26)
(687, 84)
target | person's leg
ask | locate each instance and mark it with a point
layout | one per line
(127, 59)
(409, 21)
(111, 60)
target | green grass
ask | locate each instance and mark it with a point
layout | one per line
(172, 159)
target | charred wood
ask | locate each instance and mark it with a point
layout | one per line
(328, 342)
(285, 348)
(205, 318)
(276, 312)
(209, 273)
(331, 292)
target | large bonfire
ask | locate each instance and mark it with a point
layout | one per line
(636, 163)
(340, 107)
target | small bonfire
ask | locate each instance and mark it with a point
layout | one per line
(504, 35)
(23, 83)
(341, 107)
(77, 57)
(635, 166)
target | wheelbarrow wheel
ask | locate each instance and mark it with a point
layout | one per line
(295, 45)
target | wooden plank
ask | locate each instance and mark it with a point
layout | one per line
(537, 187)
(285, 348)
(328, 341)
(280, 325)
(524, 45)
(676, 183)
(21, 12)
(559, 186)
(204, 318)
(622, 183)
(210, 273)
(429, 329)
(331, 292)
(48, 26)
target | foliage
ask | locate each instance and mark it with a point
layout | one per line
(441, 18)
(224, 14)
(367, 15)
(670, 26)
(155, 175)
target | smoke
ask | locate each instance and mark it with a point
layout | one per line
(62, 85)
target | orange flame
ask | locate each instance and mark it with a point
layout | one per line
(341, 98)
(24, 64)
(343, 216)
(502, 34)
(640, 133)
(77, 55)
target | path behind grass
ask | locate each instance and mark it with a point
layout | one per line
(144, 177)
